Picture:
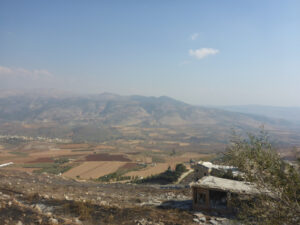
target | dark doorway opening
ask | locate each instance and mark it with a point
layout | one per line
(217, 199)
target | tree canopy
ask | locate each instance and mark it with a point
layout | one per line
(262, 165)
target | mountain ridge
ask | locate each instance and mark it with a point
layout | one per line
(103, 116)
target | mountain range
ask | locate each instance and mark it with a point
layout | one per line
(103, 116)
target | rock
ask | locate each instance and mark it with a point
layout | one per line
(46, 196)
(196, 220)
(202, 219)
(38, 208)
(53, 221)
(103, 203)
(19, 223)
(77, 221)
(214, 222)
(198, 214)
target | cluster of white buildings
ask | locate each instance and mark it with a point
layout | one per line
(25, 138)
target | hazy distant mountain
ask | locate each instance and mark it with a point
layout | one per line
(286, 113)
(113, 110)
(101, 117)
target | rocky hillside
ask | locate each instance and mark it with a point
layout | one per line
(46, 199)
(99, 117)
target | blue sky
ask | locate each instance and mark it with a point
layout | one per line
(202, 52)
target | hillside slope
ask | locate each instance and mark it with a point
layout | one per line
(102, 117)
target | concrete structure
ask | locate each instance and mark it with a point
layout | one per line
(214, 193)
(207, 168)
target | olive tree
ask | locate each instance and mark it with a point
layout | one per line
(277, 180)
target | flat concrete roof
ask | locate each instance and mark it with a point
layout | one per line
(233, 186)
(214, 166)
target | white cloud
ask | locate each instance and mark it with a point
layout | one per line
(194, 36)
(203, 52)
(6, 72)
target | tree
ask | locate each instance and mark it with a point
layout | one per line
(180, 168)
(262, 165)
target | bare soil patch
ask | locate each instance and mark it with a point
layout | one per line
(152, 170)
(99, 147)
(128, 166)
(30, 170)
(107, 157)
(42, 160)
(94, 170)
(74, 146)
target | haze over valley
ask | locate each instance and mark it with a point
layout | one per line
(111, 117)
(149, 112)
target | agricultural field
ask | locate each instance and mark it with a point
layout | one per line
(128, 158)
(93, 170)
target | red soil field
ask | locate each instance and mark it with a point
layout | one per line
(107, 157)
(42, 160)
(128, 166)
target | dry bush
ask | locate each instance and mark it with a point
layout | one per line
(81, 209)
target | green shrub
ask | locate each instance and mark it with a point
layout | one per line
(262, 165)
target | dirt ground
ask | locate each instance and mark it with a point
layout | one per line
(92, 161)
(94, 170)
(156, 168)
(46, 199)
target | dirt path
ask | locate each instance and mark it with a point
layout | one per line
(184, 175)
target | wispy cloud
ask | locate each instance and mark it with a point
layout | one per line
(203, 52)
(7, 72)
(194, 36)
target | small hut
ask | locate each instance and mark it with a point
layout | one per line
(214, 193)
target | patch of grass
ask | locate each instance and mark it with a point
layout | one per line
(158, 159)
(32, 197)
(23, 154)
(81, 209)
(61, 160)
(54, 168)
(113, 177)
(118, 175)
(39, 165)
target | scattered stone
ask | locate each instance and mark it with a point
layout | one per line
(46, 196)
(196, 220)
(38, 208)
(53, 221)
(214, 222)
(77, 221)
(103, 203)
(202, 219)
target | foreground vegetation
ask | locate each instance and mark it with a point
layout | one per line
(262, 165)
(59, 166)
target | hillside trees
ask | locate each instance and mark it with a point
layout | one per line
(262, 165)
